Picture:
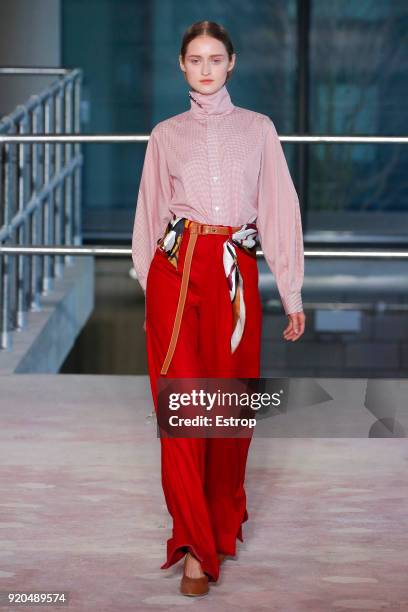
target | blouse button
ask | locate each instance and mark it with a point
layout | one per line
(217, 208)
(215, 179)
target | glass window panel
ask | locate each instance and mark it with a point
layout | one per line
(358, 85)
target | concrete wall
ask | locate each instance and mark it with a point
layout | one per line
(30, 35)
(43, 345)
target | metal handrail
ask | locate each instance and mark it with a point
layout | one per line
(377, 306)
(124, 138)
(126, 252)
(29, 70)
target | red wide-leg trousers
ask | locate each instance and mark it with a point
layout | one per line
(203, 478)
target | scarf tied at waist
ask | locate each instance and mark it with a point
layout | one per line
(244, 236)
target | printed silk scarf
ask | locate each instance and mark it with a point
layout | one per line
(246, 238)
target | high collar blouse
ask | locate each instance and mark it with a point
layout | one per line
(221, 164)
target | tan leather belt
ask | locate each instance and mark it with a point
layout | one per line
(195, 229)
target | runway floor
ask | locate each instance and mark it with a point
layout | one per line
(82, 509)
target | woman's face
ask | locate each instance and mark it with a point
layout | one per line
(206, 64)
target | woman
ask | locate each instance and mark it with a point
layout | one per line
(214, 177)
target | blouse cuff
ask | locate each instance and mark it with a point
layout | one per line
(292, 302)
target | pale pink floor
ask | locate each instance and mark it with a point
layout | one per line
(82, 509)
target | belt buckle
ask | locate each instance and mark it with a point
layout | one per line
(204, 228)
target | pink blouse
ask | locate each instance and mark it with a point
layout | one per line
(224, 165)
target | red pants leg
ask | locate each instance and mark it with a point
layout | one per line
(227, 457)
(207, 505)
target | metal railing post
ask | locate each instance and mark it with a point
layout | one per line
(78, 169)
(8, 300)
(69, 225)
(5, 338)
(37, 225)
(22, 230)
(49, 164)
(59, 190)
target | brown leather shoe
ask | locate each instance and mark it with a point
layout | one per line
(193, 587)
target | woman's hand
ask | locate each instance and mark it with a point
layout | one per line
(144, 325)
(296, 326)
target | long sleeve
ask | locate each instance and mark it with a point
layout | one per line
(279, 222)
(152, 209)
